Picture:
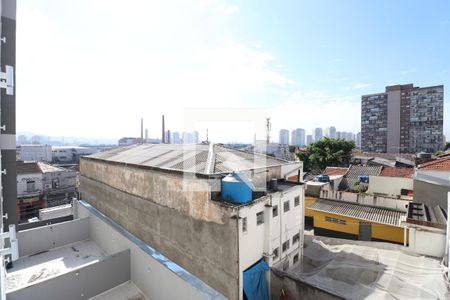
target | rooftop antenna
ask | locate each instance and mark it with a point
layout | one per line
(268, 127)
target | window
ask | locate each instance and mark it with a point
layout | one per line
(275, 253)
(275, 211)
(286, 206)
(297, 201)
(31, 186)
(285, 246)
(260, 218)
(295, 238)
(295, 258)
(244, 224)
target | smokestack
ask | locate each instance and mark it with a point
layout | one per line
(163, 138)
(142, 130)
(168, 136)
(146, 135)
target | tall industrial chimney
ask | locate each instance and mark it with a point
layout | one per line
(163, 138)
(168, 136)
(146, 135)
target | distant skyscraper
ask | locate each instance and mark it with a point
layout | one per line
(176, 137)
(284, 137)
(403, 119)
(195, 137)
(298, 137)
(35, 139)
(309, 139)
(330, 132)
(358, 140)
(22, 140)
(338, 135)
(318, 134)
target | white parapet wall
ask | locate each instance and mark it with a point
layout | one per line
(364, 199)
(427, 240)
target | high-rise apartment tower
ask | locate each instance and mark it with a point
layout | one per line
(403, 119)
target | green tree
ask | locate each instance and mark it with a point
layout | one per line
(447, 146)
(326, 152)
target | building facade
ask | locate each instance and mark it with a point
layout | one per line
(181, 213)
(35, 152)
(318, 134)
(284, 137)
(403, 119)
(298, 137)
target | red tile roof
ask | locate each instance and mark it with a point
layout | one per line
(397, 172)
(333, 171)
(440, 164)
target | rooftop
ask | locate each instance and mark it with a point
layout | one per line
(397, 172)
(29, 167)
(362, 212)
(202, 158)
(92, 257)
(440, 164)
(333, 171)
(369, 270)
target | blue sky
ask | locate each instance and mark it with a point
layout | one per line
(302, 63)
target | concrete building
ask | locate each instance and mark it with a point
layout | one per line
(22, 140)
(176, 138)
(71, 154)
(431, 182)
(330, 132)
(284, 137)
(8, 113)
(41, 185)
(403, 119)
(309, 140)
(35, 152)
(358, 140)
(170, 196)
(298, 137)
(317, 134)
(92, 257)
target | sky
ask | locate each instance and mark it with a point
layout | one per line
(94, 68)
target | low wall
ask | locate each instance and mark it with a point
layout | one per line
(371, 200)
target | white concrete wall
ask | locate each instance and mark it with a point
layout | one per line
(22, 183)
(391, 186)
(362, 199)
(427, 240)
(35, 152)
(155, 275)
(260, 240)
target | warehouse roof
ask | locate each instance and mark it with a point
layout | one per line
(201, 158)
(29, 167)
(368, 213)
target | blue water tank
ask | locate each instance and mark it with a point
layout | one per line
(364, 179)
(323, 178)
(236, 188)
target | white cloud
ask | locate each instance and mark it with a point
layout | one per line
(97, 79)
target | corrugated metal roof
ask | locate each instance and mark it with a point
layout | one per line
(368, 213)
(188, 158)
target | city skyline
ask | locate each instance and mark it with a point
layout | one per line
(298, 81)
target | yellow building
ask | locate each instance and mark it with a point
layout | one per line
(358, 222)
